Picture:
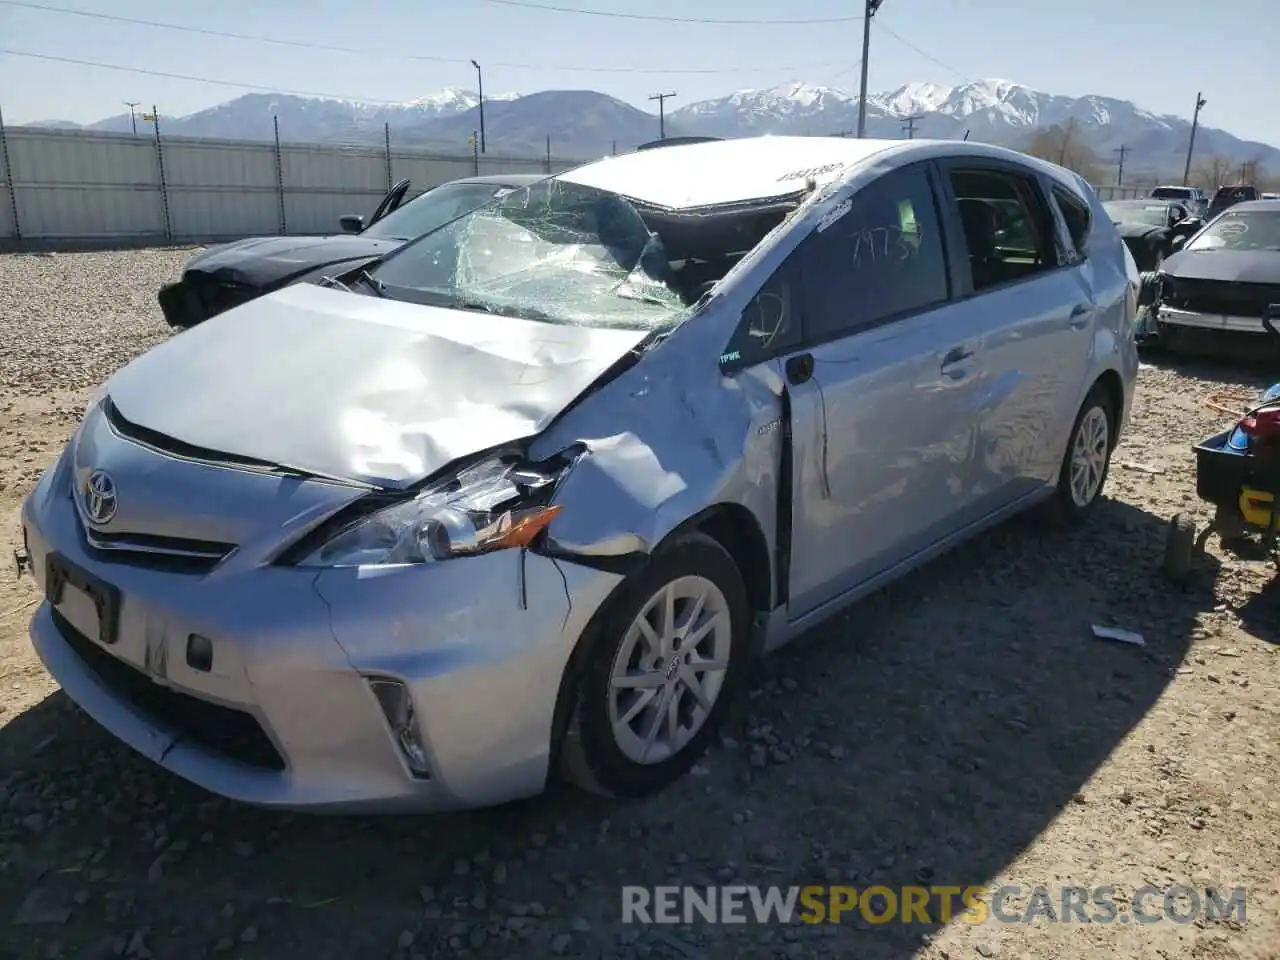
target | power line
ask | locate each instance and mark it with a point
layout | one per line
(385, 54)
(583, 12)
(183, 76)
(928, 56)
(662, 99)
(1122, 151)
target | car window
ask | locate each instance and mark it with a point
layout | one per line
(769, 323)
(876, 257)
(1077, 217)
(1004, 226)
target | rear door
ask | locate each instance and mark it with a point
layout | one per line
(1027, 288)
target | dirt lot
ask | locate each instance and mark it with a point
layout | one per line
(960, 728)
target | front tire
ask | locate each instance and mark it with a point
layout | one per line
(1087, 460)
(667, 660)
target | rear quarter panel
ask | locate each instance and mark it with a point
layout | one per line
(1116, 282)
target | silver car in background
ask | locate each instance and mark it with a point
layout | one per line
(530, 494)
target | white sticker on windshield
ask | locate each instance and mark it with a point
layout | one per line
(835, 213)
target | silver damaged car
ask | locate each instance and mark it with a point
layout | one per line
(528, 496)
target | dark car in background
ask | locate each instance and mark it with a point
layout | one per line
(1152, 229)
(229, 274)
(1227, 197)
(1225, 277)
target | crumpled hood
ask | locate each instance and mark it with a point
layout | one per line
(373, 390)
(261, 261)
(1245, 266)
(1134, 231)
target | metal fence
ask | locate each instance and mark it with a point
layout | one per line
(74, 188)
(1120, 193)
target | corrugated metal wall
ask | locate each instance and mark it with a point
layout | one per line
(77, 187)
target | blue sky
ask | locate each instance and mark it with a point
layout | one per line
(1140, 50)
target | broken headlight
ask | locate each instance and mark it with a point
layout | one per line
(494, 505)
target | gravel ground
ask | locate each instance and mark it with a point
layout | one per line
(960, 728)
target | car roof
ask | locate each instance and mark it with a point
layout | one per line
(1254, 206)
(756, 169)
(504, 179)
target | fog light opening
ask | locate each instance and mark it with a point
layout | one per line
(397, 707)
(199, 653)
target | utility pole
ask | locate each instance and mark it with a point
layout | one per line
(662, 99)
(480, 94)
(909, 126)
(869, 12)
(1121, 150)
(1191, 145)
(842, 133)
(133, 118)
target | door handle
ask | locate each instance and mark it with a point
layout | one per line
(799, 368)
(1080, 315)
(952, 362)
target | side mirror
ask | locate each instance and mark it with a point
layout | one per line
(1192, 224)
(352, 222)
(1179, 242)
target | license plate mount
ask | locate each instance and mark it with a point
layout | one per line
(61, 574)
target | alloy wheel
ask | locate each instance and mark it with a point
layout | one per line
(669, 669)
(1089, 452)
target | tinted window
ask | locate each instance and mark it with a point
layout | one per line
(1229, 195)
(1076, 215)
(1171, 193)
(1005, 226)
(880, 259)
(768, 323)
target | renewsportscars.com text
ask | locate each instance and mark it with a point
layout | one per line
(929, 905)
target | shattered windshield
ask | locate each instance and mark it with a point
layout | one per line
(553, 251)
(428, 211)
(1240, 231)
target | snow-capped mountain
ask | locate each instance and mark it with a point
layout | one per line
(586, 123)
(994, 111)
(307, 119)
(788, 108)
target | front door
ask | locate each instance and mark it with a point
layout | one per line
(881, 389)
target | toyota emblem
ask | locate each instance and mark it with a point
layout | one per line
(100, 497)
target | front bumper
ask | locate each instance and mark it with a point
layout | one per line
(286, 716)
(1209, 321)
(197, 297)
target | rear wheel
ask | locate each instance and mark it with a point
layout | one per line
(1088, 456)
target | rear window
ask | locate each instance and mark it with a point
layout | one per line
(1171, 193)
(1235, 195)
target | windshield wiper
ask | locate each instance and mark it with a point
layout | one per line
(520, 313)
(327, 281)
(373, 283)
